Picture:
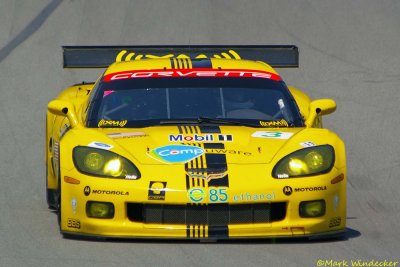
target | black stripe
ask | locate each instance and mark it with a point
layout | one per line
(218, 226)
(187, 60)
(219, 182)
(216, 163)
(210, 129)
(188, 231)
(201, 164)
(201, 63)
(187, 182)
(214, 146)
(218, 232)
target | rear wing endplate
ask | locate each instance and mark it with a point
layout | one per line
(278, 56)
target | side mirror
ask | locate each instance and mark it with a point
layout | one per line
(64, 108)
(319, 107)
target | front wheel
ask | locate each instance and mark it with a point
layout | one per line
(58, 203)
(51, 194)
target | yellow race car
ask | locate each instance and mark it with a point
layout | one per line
(192, 142)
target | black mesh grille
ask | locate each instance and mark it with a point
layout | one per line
(208, 214)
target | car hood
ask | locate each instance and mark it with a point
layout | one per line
(181, 144)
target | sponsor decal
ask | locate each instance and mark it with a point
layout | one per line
(272, 135)
(335, 202)
(157, 190)
(74, 204)
(127, 135)
(200, 138)
(310, 189)
(130, 177)
(110, 123)
(227, 151)
(87, 191)
(214, 194)
(254, 196)
(287, 190)
(225, 137)
(196, 194)
(175, 153)
(334, 222)
(207, 177)
(205, 72)
(281, 123)
(283, 176)
(73, 223)
(100, 145)
(307, 144)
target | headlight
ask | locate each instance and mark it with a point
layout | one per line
(103, 210)
(103, 163)
(309, 209)
(305, 162)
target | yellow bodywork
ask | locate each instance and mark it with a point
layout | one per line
(171, 189)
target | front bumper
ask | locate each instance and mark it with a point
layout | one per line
(138, 213)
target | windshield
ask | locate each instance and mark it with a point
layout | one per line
(153, 101)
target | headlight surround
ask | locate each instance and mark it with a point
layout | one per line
(305, 162)
(103, 163)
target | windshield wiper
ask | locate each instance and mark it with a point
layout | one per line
(201, 120)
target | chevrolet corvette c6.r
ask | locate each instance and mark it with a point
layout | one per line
(192, 142)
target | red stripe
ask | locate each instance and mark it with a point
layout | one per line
(204, 72)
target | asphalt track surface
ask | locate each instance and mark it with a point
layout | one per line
(349, 51)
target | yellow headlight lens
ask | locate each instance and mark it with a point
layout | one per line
(297, 167)
(314, 160)
(314, 208)
(94, 161)
(99, 209)
(113, 167)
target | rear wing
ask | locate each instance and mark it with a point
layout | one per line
(278, 56)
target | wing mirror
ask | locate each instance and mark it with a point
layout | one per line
(64, 108)
(319, 107)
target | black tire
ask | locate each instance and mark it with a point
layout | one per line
(50, 194)
(58, 197)
(51, 199)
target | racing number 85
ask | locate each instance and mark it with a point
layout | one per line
(218, 195)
